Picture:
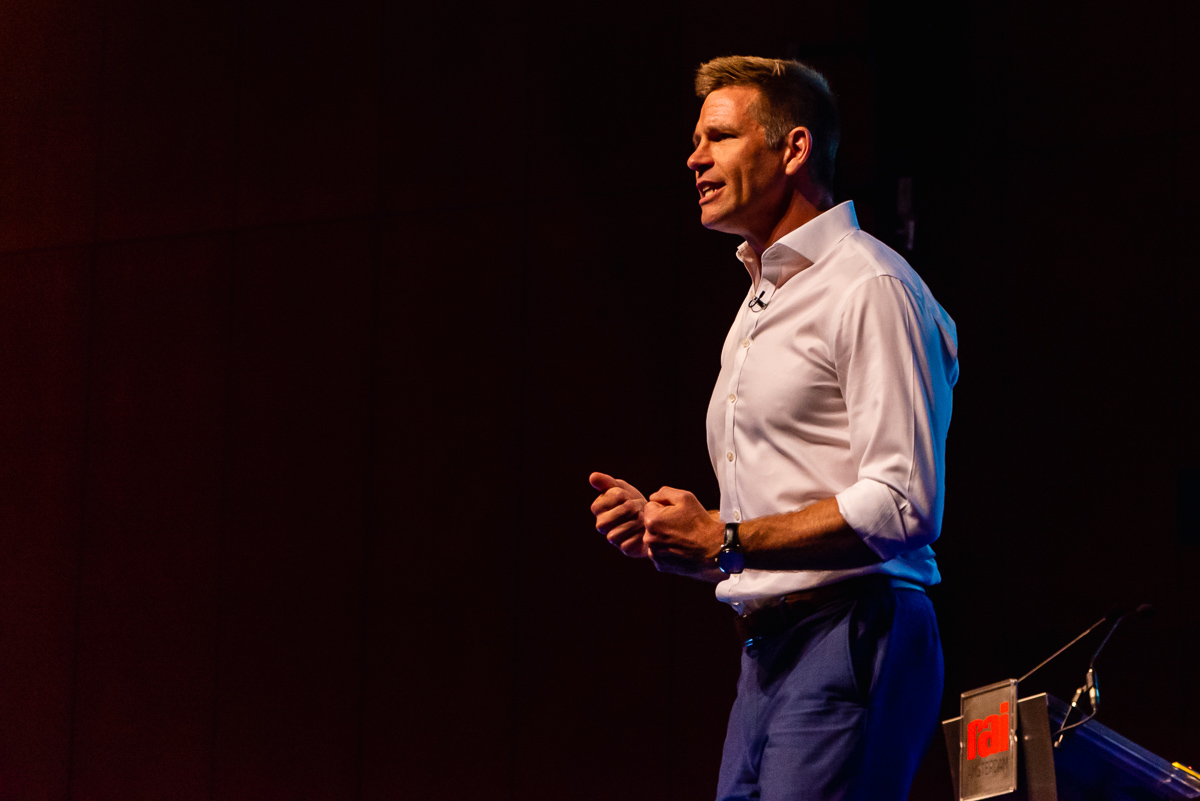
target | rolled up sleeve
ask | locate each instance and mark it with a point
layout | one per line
(896, 376)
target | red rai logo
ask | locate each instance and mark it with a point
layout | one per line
(989, 735)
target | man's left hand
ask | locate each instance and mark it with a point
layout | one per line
(681, 536)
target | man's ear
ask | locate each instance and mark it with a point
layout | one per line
(797, 148)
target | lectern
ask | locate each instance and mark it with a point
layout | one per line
(1091, 763)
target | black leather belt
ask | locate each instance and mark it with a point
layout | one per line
(770, 621)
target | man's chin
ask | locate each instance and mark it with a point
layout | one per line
(716, 223)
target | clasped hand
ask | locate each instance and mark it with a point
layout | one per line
(671, 527)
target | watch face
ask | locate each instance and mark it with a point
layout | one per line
(731, 561)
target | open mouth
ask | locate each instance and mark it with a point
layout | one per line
(707, 191)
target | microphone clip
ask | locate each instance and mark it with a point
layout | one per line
(757, 303)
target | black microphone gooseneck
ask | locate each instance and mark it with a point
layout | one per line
(1091, 683)
(1145, 610)
(1085, 633)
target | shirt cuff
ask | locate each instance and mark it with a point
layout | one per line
(870, 509)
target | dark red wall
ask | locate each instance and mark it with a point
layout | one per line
(314, 318)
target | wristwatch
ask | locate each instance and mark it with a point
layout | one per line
(731, 559)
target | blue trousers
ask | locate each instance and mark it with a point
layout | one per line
(839, 708)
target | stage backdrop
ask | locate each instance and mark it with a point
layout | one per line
(315, 316)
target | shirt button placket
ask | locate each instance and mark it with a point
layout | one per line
(731, 419)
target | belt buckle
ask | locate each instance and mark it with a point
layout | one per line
(749, 638)
(761, 624)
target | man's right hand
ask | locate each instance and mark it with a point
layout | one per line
(618, 511)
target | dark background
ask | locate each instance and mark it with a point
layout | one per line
(314, 318)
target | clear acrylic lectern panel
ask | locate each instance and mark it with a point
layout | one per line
(1094, 763)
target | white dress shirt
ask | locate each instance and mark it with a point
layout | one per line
(839, 386)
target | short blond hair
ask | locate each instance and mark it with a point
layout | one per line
(792, 94)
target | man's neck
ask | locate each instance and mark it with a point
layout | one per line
(801, 207)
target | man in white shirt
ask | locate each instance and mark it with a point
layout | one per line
(827, 431)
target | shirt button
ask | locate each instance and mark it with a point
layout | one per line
(729, 456)
(737, 516)
(732, 397)
(745, 343)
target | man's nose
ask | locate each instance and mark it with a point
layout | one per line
(699, 161)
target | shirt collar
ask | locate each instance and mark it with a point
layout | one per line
(801, 248)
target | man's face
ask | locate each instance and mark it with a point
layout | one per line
(741, 181)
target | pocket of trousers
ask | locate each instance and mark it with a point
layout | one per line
(867, 635)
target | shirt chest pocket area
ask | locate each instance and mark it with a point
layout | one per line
(788, 386)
